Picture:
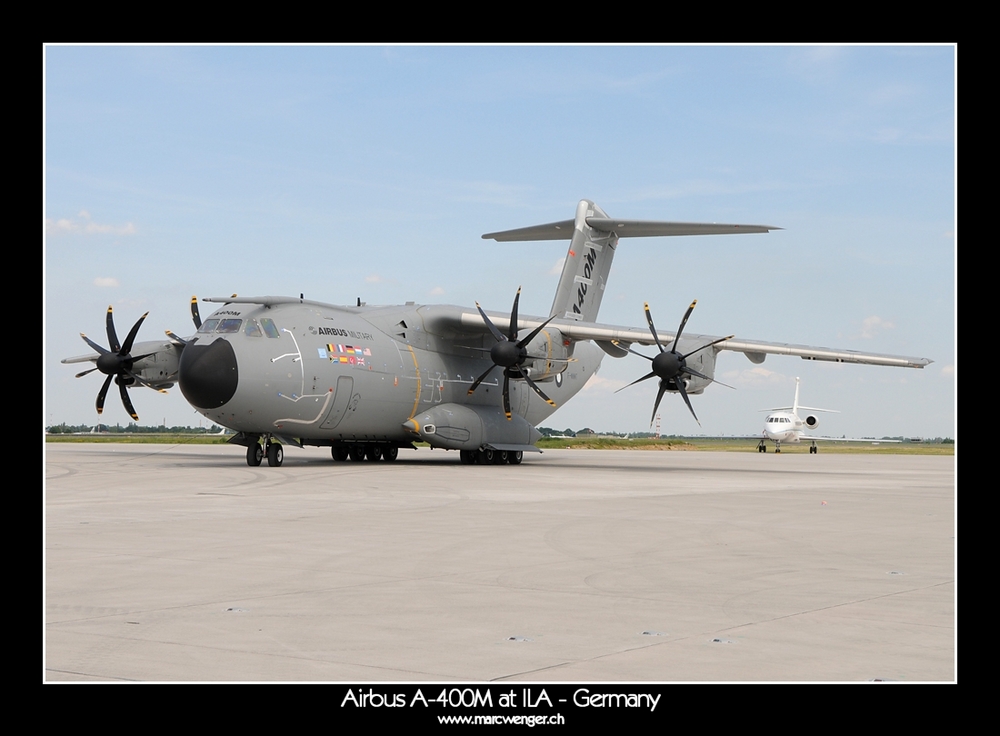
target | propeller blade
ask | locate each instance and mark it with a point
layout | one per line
(102, 394)
(629, 349)
(125, 400)
(127, 347)
(109, 322)
(174, 338)
(656, 404)
(684, 321)
(693, 372)
(195, 316)
(94, 345)
(512, 331)
(649, 319)
(714, 342)
(535, 388)
(651, 374)
(534, 332)
(475, 384)
(489, 323)
(82, 374)
(506, 395)
(683, 393)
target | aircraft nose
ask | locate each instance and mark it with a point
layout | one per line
(208, 374)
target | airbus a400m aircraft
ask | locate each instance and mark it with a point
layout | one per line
(369, 380)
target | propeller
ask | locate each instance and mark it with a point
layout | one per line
(509, 353)
(117, 363)
(195, 317)
(670, 366)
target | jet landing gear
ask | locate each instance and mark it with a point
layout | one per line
(813, 449)
(761, 446)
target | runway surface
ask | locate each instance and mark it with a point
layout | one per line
(181, 563)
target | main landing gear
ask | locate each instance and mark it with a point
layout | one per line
(761, 446)
(813, 449)
(489, 456)
(359, 451)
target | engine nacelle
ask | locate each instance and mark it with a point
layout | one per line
(703, 361)
(460, 427)
(550, 343)
(159, 369)
(811, 421)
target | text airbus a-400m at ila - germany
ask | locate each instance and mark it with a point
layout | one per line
(369, 380)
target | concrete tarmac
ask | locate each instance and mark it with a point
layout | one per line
(181, 563)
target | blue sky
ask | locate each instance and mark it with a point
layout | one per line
(372, 171)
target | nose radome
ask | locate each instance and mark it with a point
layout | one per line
(209, 374)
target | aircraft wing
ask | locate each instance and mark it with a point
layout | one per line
(610, 336)
(809, 437)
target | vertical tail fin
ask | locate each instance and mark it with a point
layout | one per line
(585, 271)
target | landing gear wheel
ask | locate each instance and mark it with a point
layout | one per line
(813, 450)
(499, 457)
(485, 457)
(468, 457)
(255, 453)
(373, 453)
(357, 453)
(275, 454)
(515, 458)
(390, 453)
(339, 453)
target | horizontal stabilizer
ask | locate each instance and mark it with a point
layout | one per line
(625, 229)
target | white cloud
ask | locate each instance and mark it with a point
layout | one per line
(374, 279)
(84, 225)
(106, 281)
(437, 291)
(871, 326)
(556, 270)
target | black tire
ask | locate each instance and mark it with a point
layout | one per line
(357, 453)
(515, 458)
(485, 457)
(468, 457)
(390, 453)
(275, 454)
(373, 453)
(500, 457)
(339, 453)
(255, 453)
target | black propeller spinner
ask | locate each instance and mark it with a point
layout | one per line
(509, 353)
(117, 363)
(670, 366)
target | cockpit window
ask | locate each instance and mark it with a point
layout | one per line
(253, 329)
(229, 326)
(209, 325)
(269, 329)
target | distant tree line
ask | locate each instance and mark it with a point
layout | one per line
(130, 428)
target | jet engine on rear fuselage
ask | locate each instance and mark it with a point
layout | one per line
(812, 422)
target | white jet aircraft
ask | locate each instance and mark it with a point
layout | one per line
(784, 424)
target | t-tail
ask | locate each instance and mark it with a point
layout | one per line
(593, 240)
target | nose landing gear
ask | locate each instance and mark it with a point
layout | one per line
(273, 450)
